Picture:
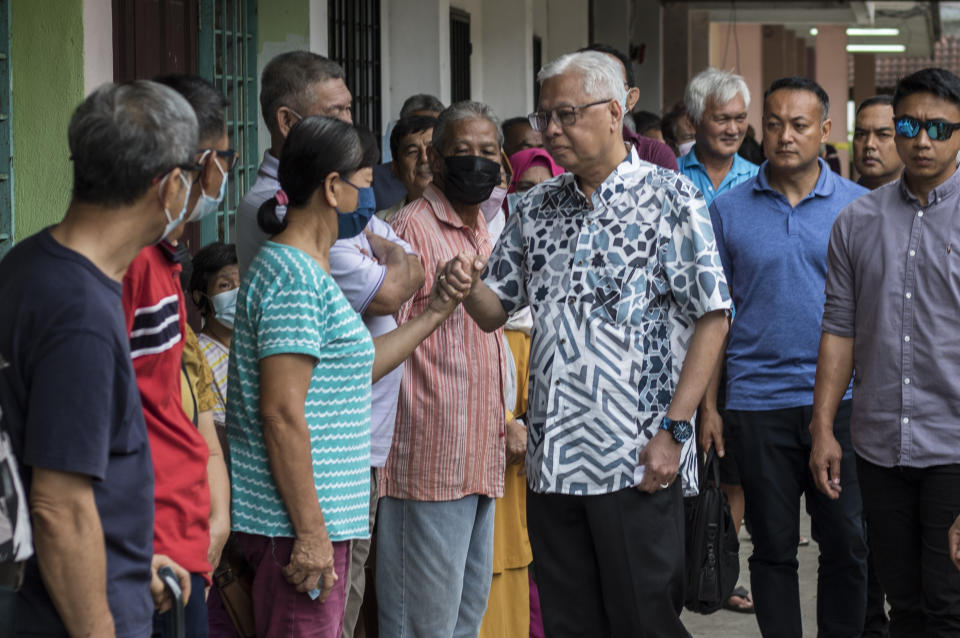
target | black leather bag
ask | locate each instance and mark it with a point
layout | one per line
(712, 547)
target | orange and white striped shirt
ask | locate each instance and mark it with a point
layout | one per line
(449, 438)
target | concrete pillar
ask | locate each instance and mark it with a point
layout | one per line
(97, 43)
(699, 42)
(831, 65)
(647, 37)
(742, 55)
(417, 50)
(507, 63)
(676, 65)
(864, 76)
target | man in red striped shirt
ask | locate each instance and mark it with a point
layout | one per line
(446, 463)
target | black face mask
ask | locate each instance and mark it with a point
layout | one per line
(468, 179)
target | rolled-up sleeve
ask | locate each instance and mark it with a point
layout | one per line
(505, 272)
(839, 310)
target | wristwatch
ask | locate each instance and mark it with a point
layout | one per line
(681, 430)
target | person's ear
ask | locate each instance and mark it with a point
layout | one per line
(195, 295)
(633, 96)
(329, 191)
(616, 111)
(436, 161)
(825, 130)
(285, 120)
(172, 192)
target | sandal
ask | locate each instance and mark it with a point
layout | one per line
(745, 607)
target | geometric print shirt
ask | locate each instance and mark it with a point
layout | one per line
(615, 285)
(288, 304)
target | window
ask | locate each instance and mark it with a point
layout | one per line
(355, 45)
(227, 56)
(6, 135)
(460, 51)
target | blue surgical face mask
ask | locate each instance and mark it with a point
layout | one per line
(352, 223)
(225, 306)
(172, 223)
(206, 204)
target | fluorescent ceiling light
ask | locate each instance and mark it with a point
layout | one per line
(876, 48)
(871, 32)
(814, 31)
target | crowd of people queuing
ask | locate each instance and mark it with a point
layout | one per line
(483, 372)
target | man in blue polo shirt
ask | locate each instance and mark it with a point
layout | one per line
(772, 234)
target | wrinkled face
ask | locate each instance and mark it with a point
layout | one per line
(722, 127)
(533, 176)
(792, 130)
(475, 136)
(923, 158)
(412, 163)
(333, 99)
(520, 137)
(579, 145)
(874, 147)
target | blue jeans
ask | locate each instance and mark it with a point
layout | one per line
(195, 618)
(434, 566)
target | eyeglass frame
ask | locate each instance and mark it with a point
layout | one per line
(925, 125)
(551, 115)
(230, 157)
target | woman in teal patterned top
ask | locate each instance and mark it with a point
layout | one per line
(301, 368)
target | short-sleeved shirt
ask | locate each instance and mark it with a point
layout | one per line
(775, 259)
(616, 284)
(249, 235)
(196, 378)
(893, 284)
(360, 276)
(218, 358)
(449, 437)
(70, 404)
(153, 309)
(740, 171)
(288, 304)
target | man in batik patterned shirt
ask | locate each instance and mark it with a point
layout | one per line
(617, 260)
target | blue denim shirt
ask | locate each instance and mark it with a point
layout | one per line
(775, 259)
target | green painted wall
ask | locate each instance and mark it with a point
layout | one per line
(46, 55)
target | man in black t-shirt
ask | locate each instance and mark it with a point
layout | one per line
(68, 392)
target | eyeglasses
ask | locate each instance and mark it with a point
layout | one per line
(191, 171)
(564, 116)
(937, 130)
(228, 158)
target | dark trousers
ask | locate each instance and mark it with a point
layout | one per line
(609, 565)
(876, 624)
(909, 511)
(195, 613)
(775, 450)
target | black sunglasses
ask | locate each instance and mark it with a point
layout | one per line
(937, 130)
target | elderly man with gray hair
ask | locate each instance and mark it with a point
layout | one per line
(447, 460)
(618, 262)
(67, 387)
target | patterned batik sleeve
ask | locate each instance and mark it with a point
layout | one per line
(505, 274)
(691, 260)
(292, 321)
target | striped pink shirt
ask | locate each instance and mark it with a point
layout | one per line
(448, 442)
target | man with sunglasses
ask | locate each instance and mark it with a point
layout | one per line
(67, 389)
(618, 263)
(892, 303)
(191, 493)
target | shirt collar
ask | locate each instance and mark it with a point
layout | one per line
(938, 194)
(740, 166)
(613, 185)
(825, 186)
(443, 210)
(269, 165)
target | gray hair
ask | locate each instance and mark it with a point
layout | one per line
(722, 86)
(602, 75)
(125, 135)
(288, 80)
(420, 102)
(465, 110)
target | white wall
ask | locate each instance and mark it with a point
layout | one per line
(568, 24)
(415, 51)
(508, 56)
(647, 31)
(97, 43)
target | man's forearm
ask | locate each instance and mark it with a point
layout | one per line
(404, 277)
(485, 307)
(709, 401)
(698, 367)
(217, 478)
(834, 369)
(71, 554)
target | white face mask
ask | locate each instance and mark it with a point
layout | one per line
(172, 223)
(225, 306)
(685, 147)
(206, 204)
(491, 206)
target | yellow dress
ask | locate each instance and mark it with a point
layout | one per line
(508, 607)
